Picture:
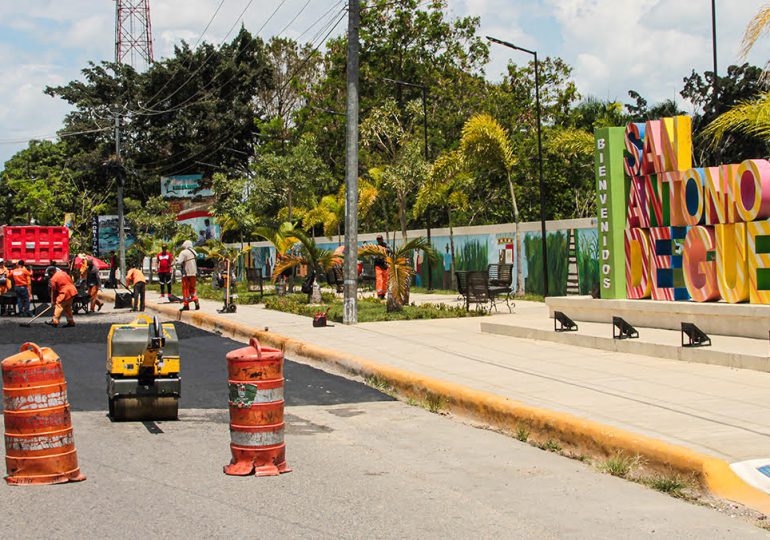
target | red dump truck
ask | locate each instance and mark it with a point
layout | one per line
(39, 247)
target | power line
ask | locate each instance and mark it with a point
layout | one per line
(221, 141)
(53, 136)
(210, 56)
(200, 37)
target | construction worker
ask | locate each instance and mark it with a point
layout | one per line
(22, 279)
(5, 285)
(93, 282)
(136, 278)
(189, 269)
(63, 293)
(165, 260)
(112, 283)
(381, 269)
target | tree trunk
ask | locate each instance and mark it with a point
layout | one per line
(288, 197)
(452, 277)
(517, 232)
(402, 217)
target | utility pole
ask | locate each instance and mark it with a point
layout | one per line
(350, 314)
(120, 177)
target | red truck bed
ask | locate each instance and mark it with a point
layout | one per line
(35, 245)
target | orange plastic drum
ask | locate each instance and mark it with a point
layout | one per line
(39, 445)
(255, 382)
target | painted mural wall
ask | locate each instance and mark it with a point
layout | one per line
(477, 247)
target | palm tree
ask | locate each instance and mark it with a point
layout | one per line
(318, 260)
(447, 185)
(485, 144)
(751, 117)
(330, 211)
(400, 269)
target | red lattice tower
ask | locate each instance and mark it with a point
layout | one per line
(133, 33)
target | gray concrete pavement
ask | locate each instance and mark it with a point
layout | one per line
(712, 409)
(362, 470)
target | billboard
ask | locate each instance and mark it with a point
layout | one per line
(184, 186)
(106, 235)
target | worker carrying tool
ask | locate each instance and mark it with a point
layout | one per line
(135, 277)
(165, 261)
(143, 363)
(63, 293)
(189, 267)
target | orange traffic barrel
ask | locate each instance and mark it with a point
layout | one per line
(39, 445)
(255, 383)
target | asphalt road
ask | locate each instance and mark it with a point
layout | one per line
(364, 466)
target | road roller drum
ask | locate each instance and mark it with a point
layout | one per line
(143, 367)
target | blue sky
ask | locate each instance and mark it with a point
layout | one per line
(613, 45)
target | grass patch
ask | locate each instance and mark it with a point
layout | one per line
(619, 465)
(380, 384)
(423, 290)
(369, 309)
(522, 433)
(550, 445)
(672, 484)
(434, 403)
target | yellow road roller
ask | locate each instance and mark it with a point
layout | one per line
(143, 380)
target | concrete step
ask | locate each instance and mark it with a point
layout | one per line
(728, 351)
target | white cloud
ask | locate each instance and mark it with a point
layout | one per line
(614, 45)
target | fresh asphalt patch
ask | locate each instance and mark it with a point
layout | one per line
(83, 351)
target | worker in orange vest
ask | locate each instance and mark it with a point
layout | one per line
(63, 293)
(5, 284)
(94, 283)
(22, 279)
(136, 278)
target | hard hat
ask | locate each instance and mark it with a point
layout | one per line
(187, 244)
(51, 270)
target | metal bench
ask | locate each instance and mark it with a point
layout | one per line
(501, 282)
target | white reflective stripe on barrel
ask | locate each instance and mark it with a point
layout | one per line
(259, 438)
(244, 395)
(32, 443)
(35, 401)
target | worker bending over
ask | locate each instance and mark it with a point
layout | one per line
(63, 293)
(136, 278)
(189, 268)
(93, 282)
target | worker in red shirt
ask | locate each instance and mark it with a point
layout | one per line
(22, 279)
(63, 293)
(165, 262)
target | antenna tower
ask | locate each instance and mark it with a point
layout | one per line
(133, 33)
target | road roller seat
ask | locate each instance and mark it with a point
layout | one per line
(127, 342)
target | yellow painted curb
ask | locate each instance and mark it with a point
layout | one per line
(506, 414)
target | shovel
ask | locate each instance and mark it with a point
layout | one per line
(33, 319)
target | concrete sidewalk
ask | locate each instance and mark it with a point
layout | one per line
(715, 410)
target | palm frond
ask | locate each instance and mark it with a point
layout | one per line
(287, 262)
(749, 117)
(758, 26)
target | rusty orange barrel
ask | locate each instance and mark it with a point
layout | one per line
(39, 445)
(255, 383)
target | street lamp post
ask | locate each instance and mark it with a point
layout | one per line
(424, 90)
(539, 157)
(715, 97)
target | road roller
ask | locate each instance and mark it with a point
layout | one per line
(143, 380)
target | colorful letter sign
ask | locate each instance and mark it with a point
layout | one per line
(673, 232)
